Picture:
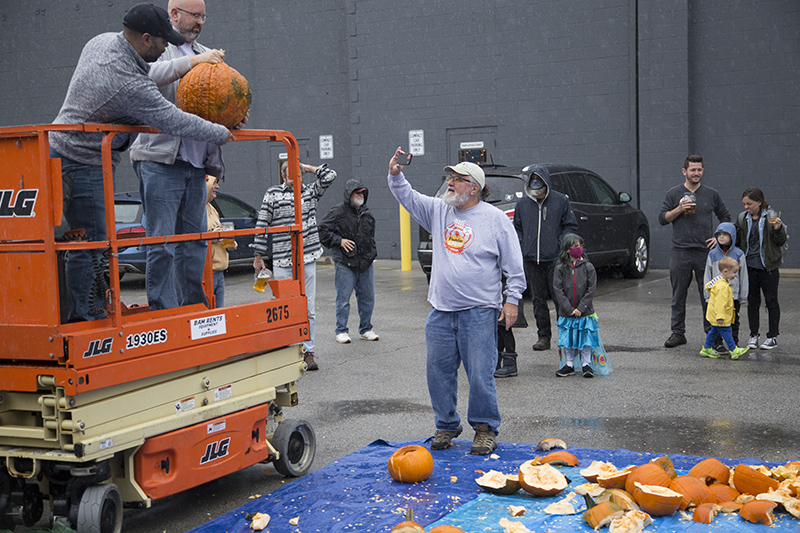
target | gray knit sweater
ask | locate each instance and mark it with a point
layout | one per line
(111, 85)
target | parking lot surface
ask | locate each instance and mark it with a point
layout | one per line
(657, 399)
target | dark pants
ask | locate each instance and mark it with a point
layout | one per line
(540, 280)
(505, 339)
(767, 282)
(683, 264)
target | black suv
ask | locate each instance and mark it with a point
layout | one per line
(616, 233)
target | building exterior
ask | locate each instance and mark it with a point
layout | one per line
(626, 88)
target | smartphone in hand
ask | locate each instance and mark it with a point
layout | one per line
(404, 159)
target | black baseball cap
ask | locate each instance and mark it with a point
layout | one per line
(152, 19)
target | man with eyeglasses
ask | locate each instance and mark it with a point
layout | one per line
(172, 174)
(474, 246)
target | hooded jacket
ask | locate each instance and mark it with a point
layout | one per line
(720, 304)
(540, 224)
(344, 221)
(771, 239)
(739, 284)
(574, 286)
(219, 255)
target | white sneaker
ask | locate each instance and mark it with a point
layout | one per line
(342, 338)
(369, 336)
(770, 343)
(753, 343)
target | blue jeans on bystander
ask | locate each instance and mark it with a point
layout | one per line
(468, 336)
(310, 271)
(345, 281)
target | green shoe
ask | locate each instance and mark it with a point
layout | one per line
(709, 352)
(738, 352)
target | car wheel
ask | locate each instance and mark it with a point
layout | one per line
(639, 258)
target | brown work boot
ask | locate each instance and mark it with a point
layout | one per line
(442, 439)
(542, 344)
(485, 441)
(311, 364)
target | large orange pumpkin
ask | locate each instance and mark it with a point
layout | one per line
(411, 464)
(217, 93)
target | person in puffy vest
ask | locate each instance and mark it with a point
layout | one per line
(348, 230)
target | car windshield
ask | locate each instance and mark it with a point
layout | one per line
(502, 189)
(126, 212)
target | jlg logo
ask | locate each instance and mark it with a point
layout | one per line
(99, 347)
(216, 450)
(22, 206)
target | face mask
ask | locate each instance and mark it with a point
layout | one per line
(576, 252)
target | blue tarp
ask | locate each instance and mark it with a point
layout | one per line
(356, 493)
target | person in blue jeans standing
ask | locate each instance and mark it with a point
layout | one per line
(474, 246)
(348, 230)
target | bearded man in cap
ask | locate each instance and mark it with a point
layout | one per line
(111, 85)
(542, 217)
(474, 246)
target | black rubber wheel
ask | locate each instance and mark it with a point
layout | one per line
(639, 259)
(100, 510)
(296, 445)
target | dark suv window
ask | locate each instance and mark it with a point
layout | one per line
(605, 195)
(582, 191)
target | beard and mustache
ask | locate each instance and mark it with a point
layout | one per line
(453, 199)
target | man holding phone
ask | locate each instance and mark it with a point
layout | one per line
(476, 246)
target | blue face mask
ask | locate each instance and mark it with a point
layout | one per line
(576, 252)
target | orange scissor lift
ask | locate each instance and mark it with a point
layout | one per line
(141, 404)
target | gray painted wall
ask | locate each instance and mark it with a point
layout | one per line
(554, 81)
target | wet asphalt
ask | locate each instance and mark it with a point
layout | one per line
(660, 400)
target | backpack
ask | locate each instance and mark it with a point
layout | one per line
(784, 248)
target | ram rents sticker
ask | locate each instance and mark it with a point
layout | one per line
(208, 326)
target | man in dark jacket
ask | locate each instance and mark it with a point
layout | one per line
(348, 230)
(541, 218)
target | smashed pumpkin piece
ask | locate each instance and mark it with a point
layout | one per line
(513, 527)
(562, 507)
(516, 510)
(630, 522)
(260, 521)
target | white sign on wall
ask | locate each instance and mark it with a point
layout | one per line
(471, 145)
(326, 146)
(416, 142)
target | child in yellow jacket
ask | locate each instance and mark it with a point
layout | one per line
(719, 312)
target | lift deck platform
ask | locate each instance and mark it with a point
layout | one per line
(141, 404)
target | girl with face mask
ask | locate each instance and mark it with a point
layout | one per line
(574, 283)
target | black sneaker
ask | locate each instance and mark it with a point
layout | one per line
(674, 340)
(565, 371)
(587, 372)
(485, 440)
(311, 364)
(442, 439)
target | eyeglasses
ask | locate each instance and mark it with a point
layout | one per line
(457, 179)
(199, 17)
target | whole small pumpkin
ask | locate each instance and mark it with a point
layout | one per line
(411, 464)
(217, 93)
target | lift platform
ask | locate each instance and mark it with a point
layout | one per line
(141, 404)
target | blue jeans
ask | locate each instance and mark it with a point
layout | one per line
(174, 203)
(219, 288)
(345, 281)
(720, 331)
(310, 271)
(468, 336)
(84, 207)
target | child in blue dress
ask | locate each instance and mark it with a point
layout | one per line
(574, 283)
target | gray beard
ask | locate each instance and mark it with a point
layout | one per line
(454, 200)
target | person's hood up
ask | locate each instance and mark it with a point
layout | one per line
(729, 228)
(532, 172)
(351, 186)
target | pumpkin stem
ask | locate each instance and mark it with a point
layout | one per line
(589, 501)
(409, 514)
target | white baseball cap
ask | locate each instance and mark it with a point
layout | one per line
(465, 168)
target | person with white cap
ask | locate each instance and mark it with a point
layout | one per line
(111, 85)
(542, 217)
(474, 246)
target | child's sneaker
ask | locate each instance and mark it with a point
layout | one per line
(737, 352)
(770, 343)
(565, 371)
(708, 352)
(753, 343)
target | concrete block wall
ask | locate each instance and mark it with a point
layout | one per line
(540, 81)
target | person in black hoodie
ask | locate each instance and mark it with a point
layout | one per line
(348, 230)
(542, 217)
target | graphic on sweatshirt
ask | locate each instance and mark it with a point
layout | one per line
(457, 237)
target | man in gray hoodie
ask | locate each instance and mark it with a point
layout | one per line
(111, 85)
(172, 174)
